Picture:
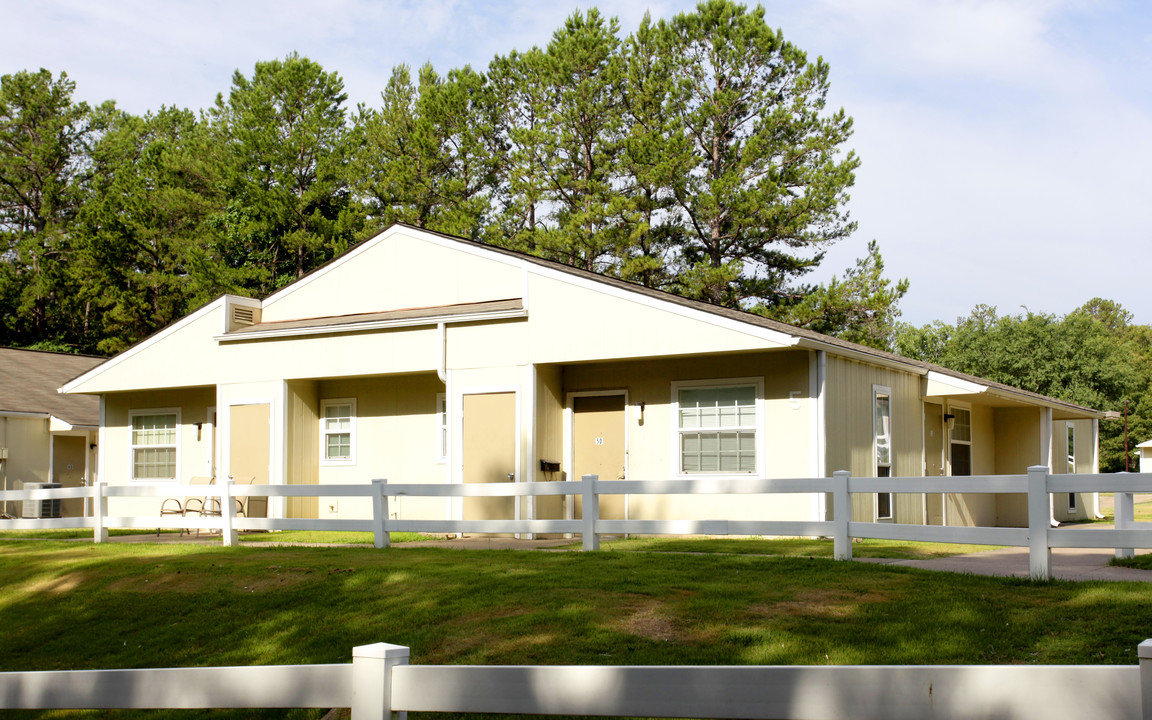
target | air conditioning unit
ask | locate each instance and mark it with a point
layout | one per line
(40, 508)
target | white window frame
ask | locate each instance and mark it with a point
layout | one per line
(951, 408)
(133, 447)
(324, 433)
(1070, 437)
(441, 428)
(676, 431)
(877, 392)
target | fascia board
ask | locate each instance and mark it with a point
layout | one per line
(1046, 402)
(24, 415)
(55, 424)
(864, 357)
(74, 384)
(963, 387)
(376, 325)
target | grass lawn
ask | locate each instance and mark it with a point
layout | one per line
(77, 605)
(801, 547)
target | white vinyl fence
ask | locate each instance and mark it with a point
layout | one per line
(379, 684)
(1039, 537)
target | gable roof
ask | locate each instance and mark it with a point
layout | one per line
(805, 337)
(29, 379)
(741, 319)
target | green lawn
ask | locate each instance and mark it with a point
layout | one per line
(68, 605)
(802, 547)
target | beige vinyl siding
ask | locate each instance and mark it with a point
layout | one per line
(848, 419)
(302, 445)
(1084, 450)
(28, 444)
(549, 435)
(786, 441)
(396, 428)
(977, 508)
(193, 451)
(1017, 432)
(166, 363)
(355, 284)
(609, 327)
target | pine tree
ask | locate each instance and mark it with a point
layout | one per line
(769, 180)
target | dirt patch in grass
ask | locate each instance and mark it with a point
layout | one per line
(647, 621)
(823, 603)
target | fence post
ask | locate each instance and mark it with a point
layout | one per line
(1125, 509)
(1039, 523)
(381, 537)
(372, 680)
(99, 511)
(841, 516)
(590, 513)
(227, 513)
(1144, 653)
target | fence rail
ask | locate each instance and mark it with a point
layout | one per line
(1038, 484)
(379, 683)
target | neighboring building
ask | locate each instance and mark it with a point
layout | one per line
(45, 437)
(1145, 450)
(419, 357)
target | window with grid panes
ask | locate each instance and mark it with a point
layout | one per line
(717, 429)
(338, 430)
(154, 442)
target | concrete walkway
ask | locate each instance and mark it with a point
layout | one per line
(1067, 564)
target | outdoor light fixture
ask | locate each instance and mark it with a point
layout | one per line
(949, 416)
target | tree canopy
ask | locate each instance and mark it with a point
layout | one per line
(696, 155)
(1093, 356)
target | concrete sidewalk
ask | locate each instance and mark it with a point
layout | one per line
(1067, 564)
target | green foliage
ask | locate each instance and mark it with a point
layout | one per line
(862, 308)
(1092, 356)
(44, 138)
(425, 158)
(768, 178)
(285, 153)
(695, 155)
(153, 187)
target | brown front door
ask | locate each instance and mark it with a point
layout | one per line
(598, 447)
(934, 459)
(489, 452)
(68, 469)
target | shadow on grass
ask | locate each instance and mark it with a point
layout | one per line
(68, 606)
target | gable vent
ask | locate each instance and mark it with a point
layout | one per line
(243, 315)
(239, 316)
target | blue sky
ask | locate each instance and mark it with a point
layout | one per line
(1006, 146)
